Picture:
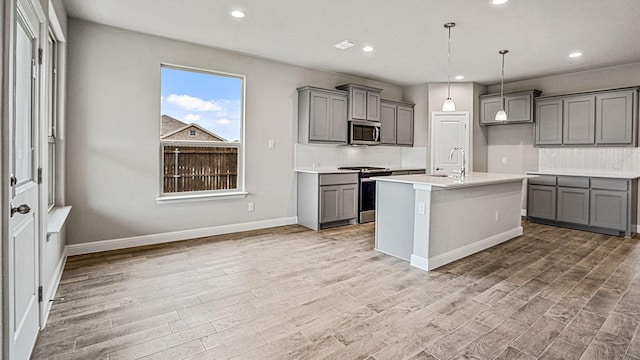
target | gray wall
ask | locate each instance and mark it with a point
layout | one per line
(113, 125)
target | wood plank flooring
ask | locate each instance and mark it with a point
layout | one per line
(291, 293)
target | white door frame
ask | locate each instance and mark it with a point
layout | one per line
(467, 133)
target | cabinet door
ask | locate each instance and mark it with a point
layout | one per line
(541, 202)
(373, 106)
(573, 205)
(489, 107)
(579, 120)
(404, 127)
(358, 104)
(388, 116)
(548, 125)
(338, 120)
(609, 209)
(329, 203)
(614, 117)
(348, 201)
(518, 108)
(319, 124)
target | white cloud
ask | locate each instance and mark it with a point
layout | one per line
(222, 122)
(191, 117)
(193, 103)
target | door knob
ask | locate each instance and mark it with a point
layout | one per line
(22, 209)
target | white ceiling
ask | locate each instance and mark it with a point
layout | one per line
(408, 35)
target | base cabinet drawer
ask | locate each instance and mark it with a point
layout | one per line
(573, 205)
(541, 202)
(609, 209)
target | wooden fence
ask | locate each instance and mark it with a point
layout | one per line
(195, 168)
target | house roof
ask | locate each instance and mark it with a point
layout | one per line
(171, 126)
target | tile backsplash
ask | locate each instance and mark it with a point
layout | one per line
(592, 159)
(320, 155)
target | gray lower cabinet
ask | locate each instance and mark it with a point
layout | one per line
(573, 205)
(609, 209)
(322, 115)
(397, 123)
(326, 200)
(541, 202)
(606, 205)
(518, 106)
(602, 118)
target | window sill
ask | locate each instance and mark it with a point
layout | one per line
(56, 219)
(201, 197)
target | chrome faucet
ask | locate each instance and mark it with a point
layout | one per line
(462, 170)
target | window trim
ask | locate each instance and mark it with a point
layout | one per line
(52, 117)
(240, 191)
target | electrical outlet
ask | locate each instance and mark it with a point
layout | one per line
(421, 208)
(271, 144)
(504, 159)
(252, 206)
(497, 215)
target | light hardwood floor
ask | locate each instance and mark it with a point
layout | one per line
(291, 293)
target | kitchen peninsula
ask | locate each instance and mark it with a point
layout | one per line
(434, 220)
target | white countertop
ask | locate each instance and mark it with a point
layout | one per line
(334, 169)
(471, 179)
(586, 174)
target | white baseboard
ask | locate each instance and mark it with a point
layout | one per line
(451, 256)
(420, 262)
(523, 212)
(51, 292)
(124, 243)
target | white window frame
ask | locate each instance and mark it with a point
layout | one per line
(52, 117)
(240, 191)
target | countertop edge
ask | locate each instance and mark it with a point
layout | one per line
(586, 174)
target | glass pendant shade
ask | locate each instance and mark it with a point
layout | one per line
(501, 116)
(448, 105)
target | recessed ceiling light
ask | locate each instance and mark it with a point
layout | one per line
(459, 77)
(367, 49)
(575, 54)
(345, 44)
(499, 2)
(238, 14)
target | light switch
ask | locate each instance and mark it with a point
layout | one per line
(504, 159)
(271, 144)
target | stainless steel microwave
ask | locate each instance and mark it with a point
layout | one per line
(362, 132)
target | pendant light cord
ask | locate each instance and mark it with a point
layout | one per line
(502, 85)
(449, 65)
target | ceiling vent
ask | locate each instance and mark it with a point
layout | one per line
(344, 45)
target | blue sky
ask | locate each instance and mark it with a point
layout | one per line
(211, 101)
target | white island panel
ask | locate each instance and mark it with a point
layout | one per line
(434, 221)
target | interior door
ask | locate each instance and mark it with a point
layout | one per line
(449, 130)
(23, 251)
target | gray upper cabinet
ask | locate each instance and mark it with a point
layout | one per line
(388, 119)
(397, 123)
(601, 118)
(322, 115)
(518, 106)
(364, 102)
(548, 128)
(579, 120)
(615, 113)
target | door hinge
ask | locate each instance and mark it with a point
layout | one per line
(13, 180)
(40, 175)
(40, 56)
(40, 294)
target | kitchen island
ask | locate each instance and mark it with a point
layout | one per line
(432, 220)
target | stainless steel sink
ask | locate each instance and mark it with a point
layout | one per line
(443, 175)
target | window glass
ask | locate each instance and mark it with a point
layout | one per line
(200, 131)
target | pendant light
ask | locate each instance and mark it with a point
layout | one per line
(448, 104)
(502, 115)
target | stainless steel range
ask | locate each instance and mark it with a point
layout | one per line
(367, 190)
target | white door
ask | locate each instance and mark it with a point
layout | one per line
(23, 225)
(449, 130)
